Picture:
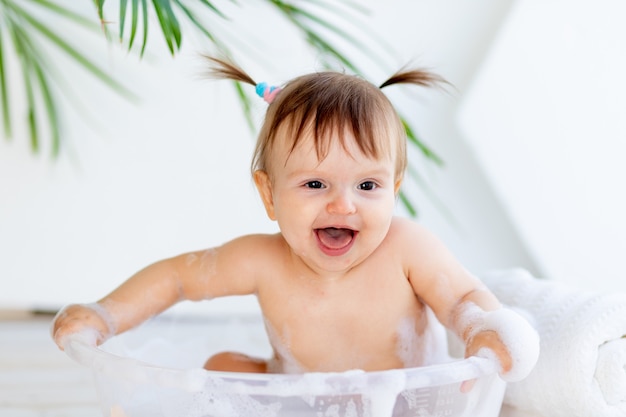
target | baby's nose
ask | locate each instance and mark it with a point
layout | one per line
(341, 203)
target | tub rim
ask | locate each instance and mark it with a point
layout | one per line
(82, 349)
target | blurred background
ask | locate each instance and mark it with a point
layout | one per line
(532, 136)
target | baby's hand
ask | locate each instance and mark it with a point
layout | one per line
(488, 344)
(502, 335)
(90, 320)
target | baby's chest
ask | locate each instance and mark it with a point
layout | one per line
(359, 304)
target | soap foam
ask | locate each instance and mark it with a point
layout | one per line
(514, 331)
(105, 315)
(422, 343)
(283, 360)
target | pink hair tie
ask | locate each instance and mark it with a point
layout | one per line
(267, 93)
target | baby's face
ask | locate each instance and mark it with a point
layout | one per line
(335, 212)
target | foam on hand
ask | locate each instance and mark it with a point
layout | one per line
(88, 336)
(106, 317)
(514, 331)
(94, 327)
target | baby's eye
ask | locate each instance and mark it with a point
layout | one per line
(314, 184)
(367, 186)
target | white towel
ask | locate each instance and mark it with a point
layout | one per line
(581, 370)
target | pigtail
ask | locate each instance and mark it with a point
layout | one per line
(416, 76)
(221, 69)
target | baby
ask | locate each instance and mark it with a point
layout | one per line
(344, 284)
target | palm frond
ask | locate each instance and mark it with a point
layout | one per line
(246, 103)
(169, 24)
(329, 37)
(78, 57)
(408, 205)
(123, 5)
(144, 9)
(310, 24)
(432, 196)
(50, 109)
(4, 93)
(415, 141)
(66, 13)
(21, 42)
(195, 20)
(26, 33)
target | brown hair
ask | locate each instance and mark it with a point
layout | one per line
(324, 103)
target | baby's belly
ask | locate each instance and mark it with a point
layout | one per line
(335, 346)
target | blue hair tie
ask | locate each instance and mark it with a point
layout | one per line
(260, 88)
(266, 92)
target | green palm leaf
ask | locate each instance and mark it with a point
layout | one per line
(4, 93)
(415, 141)
(26, 33)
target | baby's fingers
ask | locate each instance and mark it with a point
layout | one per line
(80, 319)
(487, 344)
(476, 349)
(86, 335)
(466, 386)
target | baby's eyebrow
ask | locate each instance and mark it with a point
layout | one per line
(377, 172)
(317, 173)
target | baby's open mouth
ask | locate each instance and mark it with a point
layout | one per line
(335, 238)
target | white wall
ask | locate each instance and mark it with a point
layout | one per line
(546, 116)
(139, 183)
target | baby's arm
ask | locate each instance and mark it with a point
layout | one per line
(463, 304)
(193, 276)
(145, 294)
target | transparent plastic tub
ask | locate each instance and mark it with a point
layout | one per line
(156, 371)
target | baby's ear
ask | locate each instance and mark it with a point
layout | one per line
(264, 186)
(396, 186)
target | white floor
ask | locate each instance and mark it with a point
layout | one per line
(38, 380)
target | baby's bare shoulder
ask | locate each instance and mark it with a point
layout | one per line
(403, 230)
(256, 251)
(417, 245)
(240, 265)
(256, 245)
